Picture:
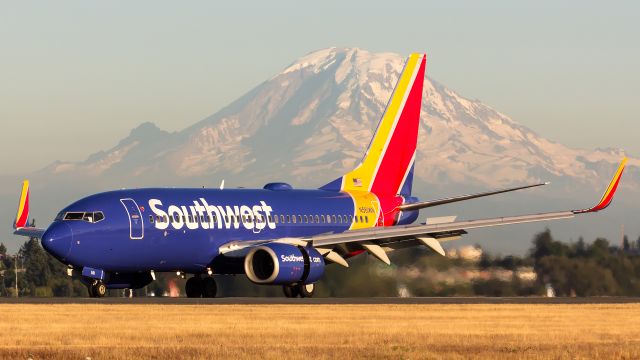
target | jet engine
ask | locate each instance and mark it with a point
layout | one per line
(282, 264)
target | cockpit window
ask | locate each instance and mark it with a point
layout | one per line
(74, 216)
(97, 216)
(92, 217)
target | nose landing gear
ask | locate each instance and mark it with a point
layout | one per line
(97, 289)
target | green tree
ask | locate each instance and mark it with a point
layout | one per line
(36, 264)
(545, 245)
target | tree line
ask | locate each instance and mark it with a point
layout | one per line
(597, 268)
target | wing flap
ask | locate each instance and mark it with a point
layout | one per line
(430, 230)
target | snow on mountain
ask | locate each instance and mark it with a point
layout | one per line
(312, 122)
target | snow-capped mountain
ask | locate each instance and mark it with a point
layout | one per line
(312, 122)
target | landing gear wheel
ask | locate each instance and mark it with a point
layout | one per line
(306, 290)
(97, 289)
(209, 287)
(193, 288)
(290, 291)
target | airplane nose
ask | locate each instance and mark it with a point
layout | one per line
(58, 239)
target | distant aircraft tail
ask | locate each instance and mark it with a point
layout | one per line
(22, 217)
(387, 166)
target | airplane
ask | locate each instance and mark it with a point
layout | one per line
(276, 235)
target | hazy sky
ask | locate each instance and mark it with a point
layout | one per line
(77, 76)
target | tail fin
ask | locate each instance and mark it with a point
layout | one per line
(22, 217)
(387, 166)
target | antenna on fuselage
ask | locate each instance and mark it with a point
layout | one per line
(222, 185)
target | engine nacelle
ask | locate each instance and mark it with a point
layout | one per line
(283, 264)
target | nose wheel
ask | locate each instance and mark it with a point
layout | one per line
(301, 290)
(97, 289)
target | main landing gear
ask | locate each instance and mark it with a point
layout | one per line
(97, 289)
(201, 287)
(301, 290)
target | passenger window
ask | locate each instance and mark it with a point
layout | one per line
(366, 219)
(334, 218)
(300, 219)
(294, 219)
(361, 220)
(322, 218)
(306, 219)
(151, 218)
(317, 218)
(282, 218)
(356, 219)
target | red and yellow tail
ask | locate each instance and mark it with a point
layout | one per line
(387, 167)
(22, 217)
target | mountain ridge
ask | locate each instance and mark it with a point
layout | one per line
(319, 113)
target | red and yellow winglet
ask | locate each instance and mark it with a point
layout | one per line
(22, 217)
(608, 194)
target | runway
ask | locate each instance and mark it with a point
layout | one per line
(326, 301)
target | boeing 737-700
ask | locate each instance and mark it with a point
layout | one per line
(276, 235)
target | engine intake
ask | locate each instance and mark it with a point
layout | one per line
(283, 264)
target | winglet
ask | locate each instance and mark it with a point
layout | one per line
(22, 216)
(608, 194)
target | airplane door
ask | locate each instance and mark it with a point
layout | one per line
(136, 225)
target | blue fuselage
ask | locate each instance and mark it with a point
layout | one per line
(183, 229)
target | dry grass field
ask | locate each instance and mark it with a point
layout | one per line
(319, 331)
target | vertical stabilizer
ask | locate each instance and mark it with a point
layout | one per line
(22, 217)
(387, 167)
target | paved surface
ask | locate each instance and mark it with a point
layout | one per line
(324, 301)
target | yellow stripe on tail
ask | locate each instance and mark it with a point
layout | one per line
(22, 217)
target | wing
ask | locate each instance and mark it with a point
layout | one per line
(30, 232)
(380, 240)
